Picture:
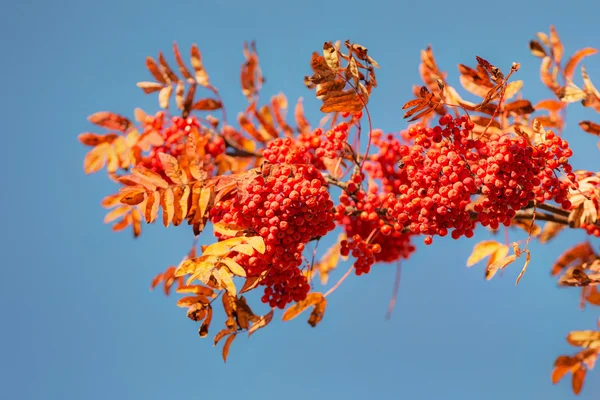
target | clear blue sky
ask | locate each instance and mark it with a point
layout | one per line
(78, 319)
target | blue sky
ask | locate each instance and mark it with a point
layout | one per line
(79, 320)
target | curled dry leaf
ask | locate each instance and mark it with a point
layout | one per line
(261, 322)
(312, 299)
(590, 127)
(227, 346)
(578, 254)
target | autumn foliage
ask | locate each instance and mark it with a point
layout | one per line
(270, 187)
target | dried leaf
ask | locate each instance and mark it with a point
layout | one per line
(331, 56)
(537, 49)
(588, 339)
(201, 75)
(150, 176)
(527, 259)
(312, 299)
(550, 230)
(207, 105)
(317, 313)
(500, 264)
(150, 87)
(173, 169)
(166, 69)
(164, 96)
(590, 127)
(482, 250)
(579, 253)
(110, 120)
(261, 323)
(575, 59)
(155, 71)
(570, 94)
(556, 45)
(545, 74)
(182, 68)
(227, 345)
(168, 206)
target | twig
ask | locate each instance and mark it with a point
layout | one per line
(342, 279)
(395, 291)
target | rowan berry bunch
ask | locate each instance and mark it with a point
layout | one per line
(288, 206)
(268, 190)
(514, 173)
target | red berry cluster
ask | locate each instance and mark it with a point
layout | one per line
(174, 133)
(287, 205)
(308, 148)
(439, 183)
(514, 172)
(371, 237)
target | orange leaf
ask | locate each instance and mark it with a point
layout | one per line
(556, 45)
(207, 105)
(537, 49)
(155, 70)
(575, 59)
(182, 68)
(150, 176)
(110, 120)
(578, 378)
(95, 159)
(168, 206)
(173, 169)
(580, 253)
(590, 127)
(227, 345)
(93, 139)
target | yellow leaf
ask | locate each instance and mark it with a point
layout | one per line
(227, 229)
(500, 264)
(225, 281)
(192, 266)
(588, 339)
(482, 250)
(257, 243)
(233, 266)
(222, 248)
(295, 310)
(244, 249)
